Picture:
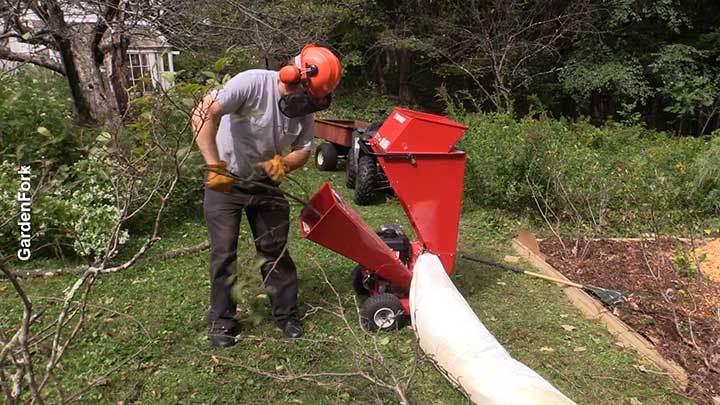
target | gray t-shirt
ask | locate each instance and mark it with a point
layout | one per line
(252, 128)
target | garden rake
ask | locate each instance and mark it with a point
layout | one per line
(607, 296)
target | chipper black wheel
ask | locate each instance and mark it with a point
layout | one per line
(350, 169)
(326, 157)
(382, 312)
(365, 181)
(357, 281)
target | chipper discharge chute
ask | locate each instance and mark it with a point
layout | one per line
(417, 152)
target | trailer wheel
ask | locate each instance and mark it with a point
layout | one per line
(357, 281)
(365, 181)
(382, 312)
(350, 169)
(326, 157)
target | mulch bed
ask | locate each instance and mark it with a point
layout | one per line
(679, 314)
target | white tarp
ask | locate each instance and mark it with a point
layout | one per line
(453, 336)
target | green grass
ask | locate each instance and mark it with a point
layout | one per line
(169, 299)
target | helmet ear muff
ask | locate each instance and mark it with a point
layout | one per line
(290, 74)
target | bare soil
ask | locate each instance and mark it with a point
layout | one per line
(679, 312)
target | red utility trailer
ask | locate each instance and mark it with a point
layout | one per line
(338, 135)
(418, 155)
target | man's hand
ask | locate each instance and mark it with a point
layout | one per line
(275, 168)
(219, 178)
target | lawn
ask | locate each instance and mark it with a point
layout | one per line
(162, 304)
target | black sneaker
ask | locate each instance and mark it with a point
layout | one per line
(222, 337)
(292, 328)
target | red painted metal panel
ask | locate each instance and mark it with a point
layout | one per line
(341, 229)
(430, 192)
(407, 131)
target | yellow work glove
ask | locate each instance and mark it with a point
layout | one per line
(275, 168)
(219, 178)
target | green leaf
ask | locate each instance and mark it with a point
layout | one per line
(144, 100)
(384, 341)
(220, 64)
(44, 132)
(169, 77)
(104, 137)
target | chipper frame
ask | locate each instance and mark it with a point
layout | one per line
(417, 152)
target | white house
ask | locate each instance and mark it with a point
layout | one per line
(149, 52)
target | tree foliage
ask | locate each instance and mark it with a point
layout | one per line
(653, 59)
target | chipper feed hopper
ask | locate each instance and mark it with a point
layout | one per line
(417, 152)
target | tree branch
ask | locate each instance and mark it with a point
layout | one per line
(39, 60)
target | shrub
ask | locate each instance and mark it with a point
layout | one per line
(78, 208)
(36, 118)
(706, 185)
(593, 174)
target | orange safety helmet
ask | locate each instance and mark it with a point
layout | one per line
(318, 67)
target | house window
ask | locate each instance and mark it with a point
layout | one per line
(139, 71)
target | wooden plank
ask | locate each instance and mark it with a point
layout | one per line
(648, 239)
(593, 309)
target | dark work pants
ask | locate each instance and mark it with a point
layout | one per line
(268, 213)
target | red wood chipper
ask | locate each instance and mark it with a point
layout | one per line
(417, 152)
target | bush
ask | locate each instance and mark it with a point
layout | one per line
(78, 208)
(36, 119)
(611, 173)
(364, 104)
(706, 185)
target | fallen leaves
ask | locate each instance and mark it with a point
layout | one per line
(512, 259)
(568, 328)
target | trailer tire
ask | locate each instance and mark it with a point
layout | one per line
(357, 281)
(350, 168)
(382, 312)
(365, 181)
(326, 157)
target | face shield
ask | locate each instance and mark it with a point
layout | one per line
(300, 103)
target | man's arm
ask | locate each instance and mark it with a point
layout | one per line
(296, 159)
(302, 147)
(204, 123)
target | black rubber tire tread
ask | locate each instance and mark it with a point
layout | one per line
(329, 155)
(357, 281)
(350, 169)
(365, 181)
(376, 302)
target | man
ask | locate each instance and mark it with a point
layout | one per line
(261, 113)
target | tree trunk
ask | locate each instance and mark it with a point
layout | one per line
(82, 104)
(598, 110)
(98, 84)
(114, 58)
(404, 89)
(380, 74)
(501, 93)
